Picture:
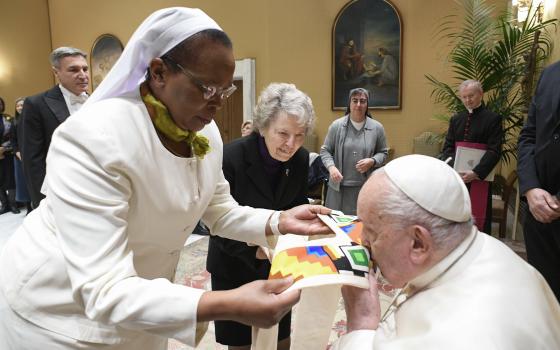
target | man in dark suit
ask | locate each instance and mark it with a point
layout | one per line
(44, 112)
(539, 177)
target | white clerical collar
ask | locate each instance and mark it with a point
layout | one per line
(472, 110)
(445, 264)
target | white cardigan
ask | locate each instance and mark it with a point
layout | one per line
(95, 260)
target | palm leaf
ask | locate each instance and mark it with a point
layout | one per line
(503, 56)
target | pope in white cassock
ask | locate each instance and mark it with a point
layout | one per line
(461, 289)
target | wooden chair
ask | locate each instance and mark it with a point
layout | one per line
(500, 204)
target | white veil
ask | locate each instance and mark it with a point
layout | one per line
(159, 33)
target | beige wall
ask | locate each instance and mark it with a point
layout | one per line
(290, 40)
(25, 43)
(288, 45)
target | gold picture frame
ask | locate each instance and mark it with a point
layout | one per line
(367, 53)
(106, 50)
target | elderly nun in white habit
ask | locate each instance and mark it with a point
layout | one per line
(128, 178)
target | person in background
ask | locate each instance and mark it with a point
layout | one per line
(480, 128)
(44, 112)
(267, 169)
(460, 288)
(388, 72)
(7, 180)
(539, 177)
(350, 61)
(354, 146)
(246, 128)
(22, 194)
(129, 176)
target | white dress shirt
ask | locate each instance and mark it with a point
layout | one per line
(73, 102)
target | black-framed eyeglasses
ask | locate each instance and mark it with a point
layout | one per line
(208, 92)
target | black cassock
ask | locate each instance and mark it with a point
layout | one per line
(482, 126)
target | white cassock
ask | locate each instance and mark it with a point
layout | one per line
(481, 296)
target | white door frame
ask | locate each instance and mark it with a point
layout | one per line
(245, 71)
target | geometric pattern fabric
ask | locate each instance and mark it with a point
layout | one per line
(302, 262)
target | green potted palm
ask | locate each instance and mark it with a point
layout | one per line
(505, 56)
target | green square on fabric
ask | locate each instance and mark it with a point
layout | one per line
(359, 257)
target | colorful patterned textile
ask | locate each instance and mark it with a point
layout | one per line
(334, 260)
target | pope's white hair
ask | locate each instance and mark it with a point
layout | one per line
(403, 212)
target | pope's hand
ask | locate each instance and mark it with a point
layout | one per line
(362, 306)
(256, 304)
(303, 220)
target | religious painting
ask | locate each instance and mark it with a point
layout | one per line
(105, 52)
(367, 53)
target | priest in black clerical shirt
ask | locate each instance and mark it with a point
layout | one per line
(476, 127)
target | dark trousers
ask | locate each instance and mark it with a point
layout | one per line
(543, 250)
(8, 199)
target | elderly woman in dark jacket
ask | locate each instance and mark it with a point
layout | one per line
(266, 169)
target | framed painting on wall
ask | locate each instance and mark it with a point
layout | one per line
(367, 53)
(106, 50)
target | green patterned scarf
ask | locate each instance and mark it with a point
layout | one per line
(165, 124)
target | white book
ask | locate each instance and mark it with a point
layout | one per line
(467, 159)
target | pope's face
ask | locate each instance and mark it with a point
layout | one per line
(471, 97)
(388, 244)
(283, 137)
(184, 98)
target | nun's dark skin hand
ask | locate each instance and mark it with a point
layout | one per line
(258, 303)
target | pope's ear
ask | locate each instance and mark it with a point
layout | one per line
(422, 245)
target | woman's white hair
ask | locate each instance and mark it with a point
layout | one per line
(403, 212)
(282, 98)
